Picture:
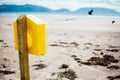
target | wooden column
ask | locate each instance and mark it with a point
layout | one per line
(22, 46)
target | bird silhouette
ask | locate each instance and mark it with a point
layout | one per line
(113, 22)
(90, 12)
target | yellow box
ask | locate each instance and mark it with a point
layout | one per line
(36, 35)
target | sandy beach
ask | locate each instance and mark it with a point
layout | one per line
(78, 48)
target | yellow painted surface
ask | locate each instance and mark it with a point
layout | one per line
(36, 35)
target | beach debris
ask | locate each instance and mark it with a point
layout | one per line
(53, 74)
(6, 72)
(117, 77)
(113, 67)
(94, 53)
(88, 44)
(110, 46)
(113, 22)
(69, 74)
(5, 46)
(112, 50)
(73, 56)
(6, 59)
(104, 61)
(4, 63)
(90, 12)
(64, 66)
(75, 44)
(98, 49)
(86, 63)
(4, 66)
(40, 61)
(96, 61)
(101, 53)
(1, 40)
(40, 66)
(65, 44)
(97, 45)
(77, 59)
(110, 58)
(56, 45)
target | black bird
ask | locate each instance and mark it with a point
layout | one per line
(113, 22)
(90, 12)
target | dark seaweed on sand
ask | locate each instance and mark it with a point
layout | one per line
(6, 72)
(112, 50)
(69, 74)
(110, 58)
(98, 49)
(73, 56)
(114, 77)
(104, 61)
(40, 66)
(1, 40)
(110, 46)
(77, 59)
(113, 67)
(64, 44)
(64, 66)
(75, 44)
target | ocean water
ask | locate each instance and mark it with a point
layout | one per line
(54, 14)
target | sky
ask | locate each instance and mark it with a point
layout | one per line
(69, 4)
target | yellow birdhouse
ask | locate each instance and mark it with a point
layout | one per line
(36, 35)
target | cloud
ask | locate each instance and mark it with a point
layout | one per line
(69, 4)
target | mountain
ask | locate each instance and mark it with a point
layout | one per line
(34, 8)
(96, 11)
(63, 11)
(23, 8)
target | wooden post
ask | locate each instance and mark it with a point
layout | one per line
(22, 46)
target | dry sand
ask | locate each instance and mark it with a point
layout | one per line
(70, 41)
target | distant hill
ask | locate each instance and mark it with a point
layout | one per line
(23, 8)
(34, 8)
(96, 10)
(62, 11)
